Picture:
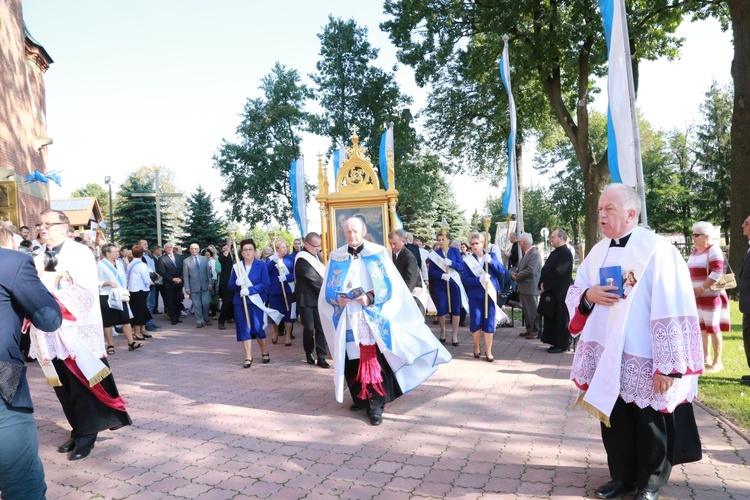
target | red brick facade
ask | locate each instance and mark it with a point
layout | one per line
(23, 121)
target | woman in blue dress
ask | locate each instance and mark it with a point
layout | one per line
(251, 287)
(481, 271)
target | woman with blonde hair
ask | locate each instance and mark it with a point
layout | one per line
(706, 265)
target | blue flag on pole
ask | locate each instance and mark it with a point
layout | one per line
(510, 197)
(622, 124)
(299, 201)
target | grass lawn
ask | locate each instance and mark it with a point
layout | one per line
(722, 391)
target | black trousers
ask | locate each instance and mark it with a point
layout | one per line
(173, 301)
(746, 335)
(227, 308)
(637, 445)
(375, 401)
(313, 338)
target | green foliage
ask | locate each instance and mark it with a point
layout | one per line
(538, 212)
(135, 217)
(255, 171)
(556, 48)
(713, 152)
(97, 191)
(351, 90)
(202, 225)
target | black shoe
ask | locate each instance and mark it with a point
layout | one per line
(174, 322)
(355, 407)
(455, 344)
(221, 326)
(462, 324)
(615, 489)
(555, 350)
(79, 454)
(376, 416)
(67, 446)
(745, 377)
(745, 382)
(323, 363)
(442, 341)
(310, 359)
(646, 495)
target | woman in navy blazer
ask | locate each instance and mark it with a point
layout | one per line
(253, 280)
(475, 290)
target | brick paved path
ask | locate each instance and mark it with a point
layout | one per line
(203, 427)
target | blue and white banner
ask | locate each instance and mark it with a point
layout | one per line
(299, 200)
(339, 158)
(622, 124)
(510, 197)
(386, 145)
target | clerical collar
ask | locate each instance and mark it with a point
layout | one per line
(621, 242)
(355, 251)
(57, 247)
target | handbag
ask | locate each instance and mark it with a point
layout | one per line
(547, 305)
(113, 300)
(727, 280)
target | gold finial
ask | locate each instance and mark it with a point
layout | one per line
(355, 130)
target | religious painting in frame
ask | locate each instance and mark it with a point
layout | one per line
(374, 216)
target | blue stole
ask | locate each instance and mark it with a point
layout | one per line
(382, 286)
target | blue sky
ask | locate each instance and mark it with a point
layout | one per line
(162, 82)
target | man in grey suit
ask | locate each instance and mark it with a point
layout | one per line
(745, 297)
(527, 277)
(197, 278)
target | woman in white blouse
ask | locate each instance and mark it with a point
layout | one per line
(112, 277)
(139, 285)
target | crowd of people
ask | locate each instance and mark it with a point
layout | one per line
(644, 322)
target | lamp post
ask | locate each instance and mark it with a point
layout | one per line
(108, 181)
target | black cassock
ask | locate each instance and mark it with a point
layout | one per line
(557, 276)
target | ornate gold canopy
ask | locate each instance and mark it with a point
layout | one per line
(357, 193)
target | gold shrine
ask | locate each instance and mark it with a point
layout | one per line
(356, 193)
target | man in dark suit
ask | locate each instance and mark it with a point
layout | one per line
(405, 262)
(745, 298)
(527, 278)
(22, 295)
(308, 274)
(197, 276)
(556, 278)
(169, 266)
(226, 294)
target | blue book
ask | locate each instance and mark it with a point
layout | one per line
(611, 276)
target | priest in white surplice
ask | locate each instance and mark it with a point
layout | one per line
(639, 356)
(380, 345)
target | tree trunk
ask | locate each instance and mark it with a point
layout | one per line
(739, 11)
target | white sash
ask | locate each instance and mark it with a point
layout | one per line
(452, 274)
(478, 271)
(319, 267)
(275, 315)
(283, 271)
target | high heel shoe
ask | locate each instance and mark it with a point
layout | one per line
(478, 354)
(147, 335)
(133, 346)
(136, 337)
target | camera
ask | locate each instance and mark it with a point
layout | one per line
(50, 261)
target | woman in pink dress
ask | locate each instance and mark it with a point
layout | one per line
(706, 265)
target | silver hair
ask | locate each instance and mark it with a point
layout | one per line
(476, 235)
(631, 196)
(527, 238)
(703, 227)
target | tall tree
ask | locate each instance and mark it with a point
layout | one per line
(135, 216)
(713, 152)
(256, 170)
(351, 90)
(538, 212)
(202, 225)
(560, 44)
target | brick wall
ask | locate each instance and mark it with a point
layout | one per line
(22, 112)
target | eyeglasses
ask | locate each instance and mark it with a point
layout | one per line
(49, 224)
(696, 235)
